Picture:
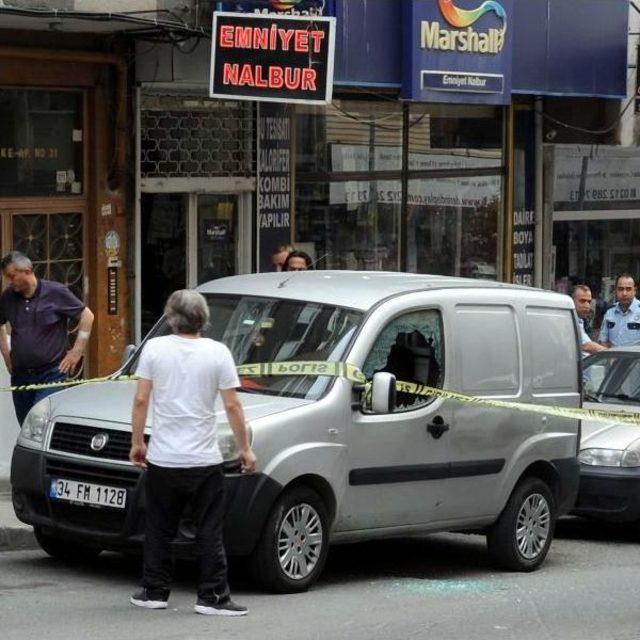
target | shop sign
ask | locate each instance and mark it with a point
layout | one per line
(215, 230)
(283, 7)
(524, 217)
(274, 180)
(457, 51)
(462, 191)
(597, 179)
(274, 58)
(524, 224)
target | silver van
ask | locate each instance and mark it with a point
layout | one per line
(337, 464)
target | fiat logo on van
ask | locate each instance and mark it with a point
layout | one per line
(99, 441)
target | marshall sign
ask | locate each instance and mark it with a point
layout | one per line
(272, 58)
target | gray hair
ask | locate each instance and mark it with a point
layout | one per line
(187, 311)
(17, 258)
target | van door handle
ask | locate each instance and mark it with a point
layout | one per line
(437, 427)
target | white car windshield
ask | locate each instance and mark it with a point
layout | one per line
(612, 377)
(260, 329)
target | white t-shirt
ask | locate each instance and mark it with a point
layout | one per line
(186, 374)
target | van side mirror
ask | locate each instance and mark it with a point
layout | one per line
(383, 392)
(127, 353)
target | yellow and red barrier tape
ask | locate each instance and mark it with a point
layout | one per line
(353, 374)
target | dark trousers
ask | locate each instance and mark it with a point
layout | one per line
(168, 491)
(24, 400)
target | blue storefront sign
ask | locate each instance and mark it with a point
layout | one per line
(457, 51)
(282, 7)
(560, 47)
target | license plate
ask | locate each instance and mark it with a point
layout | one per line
(87, 493)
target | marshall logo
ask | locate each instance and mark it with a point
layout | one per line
(464, 38)
(99, 441)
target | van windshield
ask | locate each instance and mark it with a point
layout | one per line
(275, 330)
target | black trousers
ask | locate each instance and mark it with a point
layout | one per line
(168, 491)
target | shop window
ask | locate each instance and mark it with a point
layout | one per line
(449, 211)
(454, 137)
(40, 142)
(596, 226)
(350, 225)
(453, 226)
(349, 136)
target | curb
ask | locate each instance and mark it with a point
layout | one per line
(14, 535)
(17, 539)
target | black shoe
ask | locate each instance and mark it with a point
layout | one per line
(149, 599)
(226, 607)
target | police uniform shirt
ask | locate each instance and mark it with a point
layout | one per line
(621, 329)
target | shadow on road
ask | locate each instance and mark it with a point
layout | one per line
(452, 557)
(435, 557)
(572, 528)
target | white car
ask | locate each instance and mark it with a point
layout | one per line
(610, 453)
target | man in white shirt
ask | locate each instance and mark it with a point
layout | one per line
(183, 461)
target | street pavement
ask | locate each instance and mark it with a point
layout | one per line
(438, 587)
(13, 533)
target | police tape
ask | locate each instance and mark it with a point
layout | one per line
(353, 374)
(73, 382)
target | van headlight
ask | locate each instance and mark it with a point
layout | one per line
(35, 425)
(227, 443)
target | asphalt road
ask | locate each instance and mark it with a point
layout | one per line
(438, 587)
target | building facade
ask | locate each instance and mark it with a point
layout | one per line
(398, 172)
(507, 153)
(66, 158)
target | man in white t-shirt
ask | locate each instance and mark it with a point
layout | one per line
(184, 464)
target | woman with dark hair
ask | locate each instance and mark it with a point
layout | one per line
(298, 261)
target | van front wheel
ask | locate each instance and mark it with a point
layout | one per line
(64, 549)
(520, 539)
(293, 548)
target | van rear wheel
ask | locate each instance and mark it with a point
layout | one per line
(520, 539)
(70, 551)
(292, 550)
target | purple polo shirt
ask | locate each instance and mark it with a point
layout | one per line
(39, 337)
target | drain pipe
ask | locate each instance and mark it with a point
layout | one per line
(539, 196)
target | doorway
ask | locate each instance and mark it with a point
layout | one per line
(187, 239)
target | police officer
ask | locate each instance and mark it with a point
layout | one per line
(621, 323)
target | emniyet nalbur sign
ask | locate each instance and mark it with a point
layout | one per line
(458, 51)
(272, 58)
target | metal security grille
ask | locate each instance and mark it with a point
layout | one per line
(189, 138)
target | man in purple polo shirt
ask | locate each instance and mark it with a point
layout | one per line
(37, 311)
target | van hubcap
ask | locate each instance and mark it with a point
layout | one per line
(300, 540)
(533, 526)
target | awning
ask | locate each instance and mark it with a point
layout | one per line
(152, 23)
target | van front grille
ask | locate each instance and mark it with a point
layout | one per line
(77, 438)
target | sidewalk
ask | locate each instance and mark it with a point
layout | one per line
(14, 535)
